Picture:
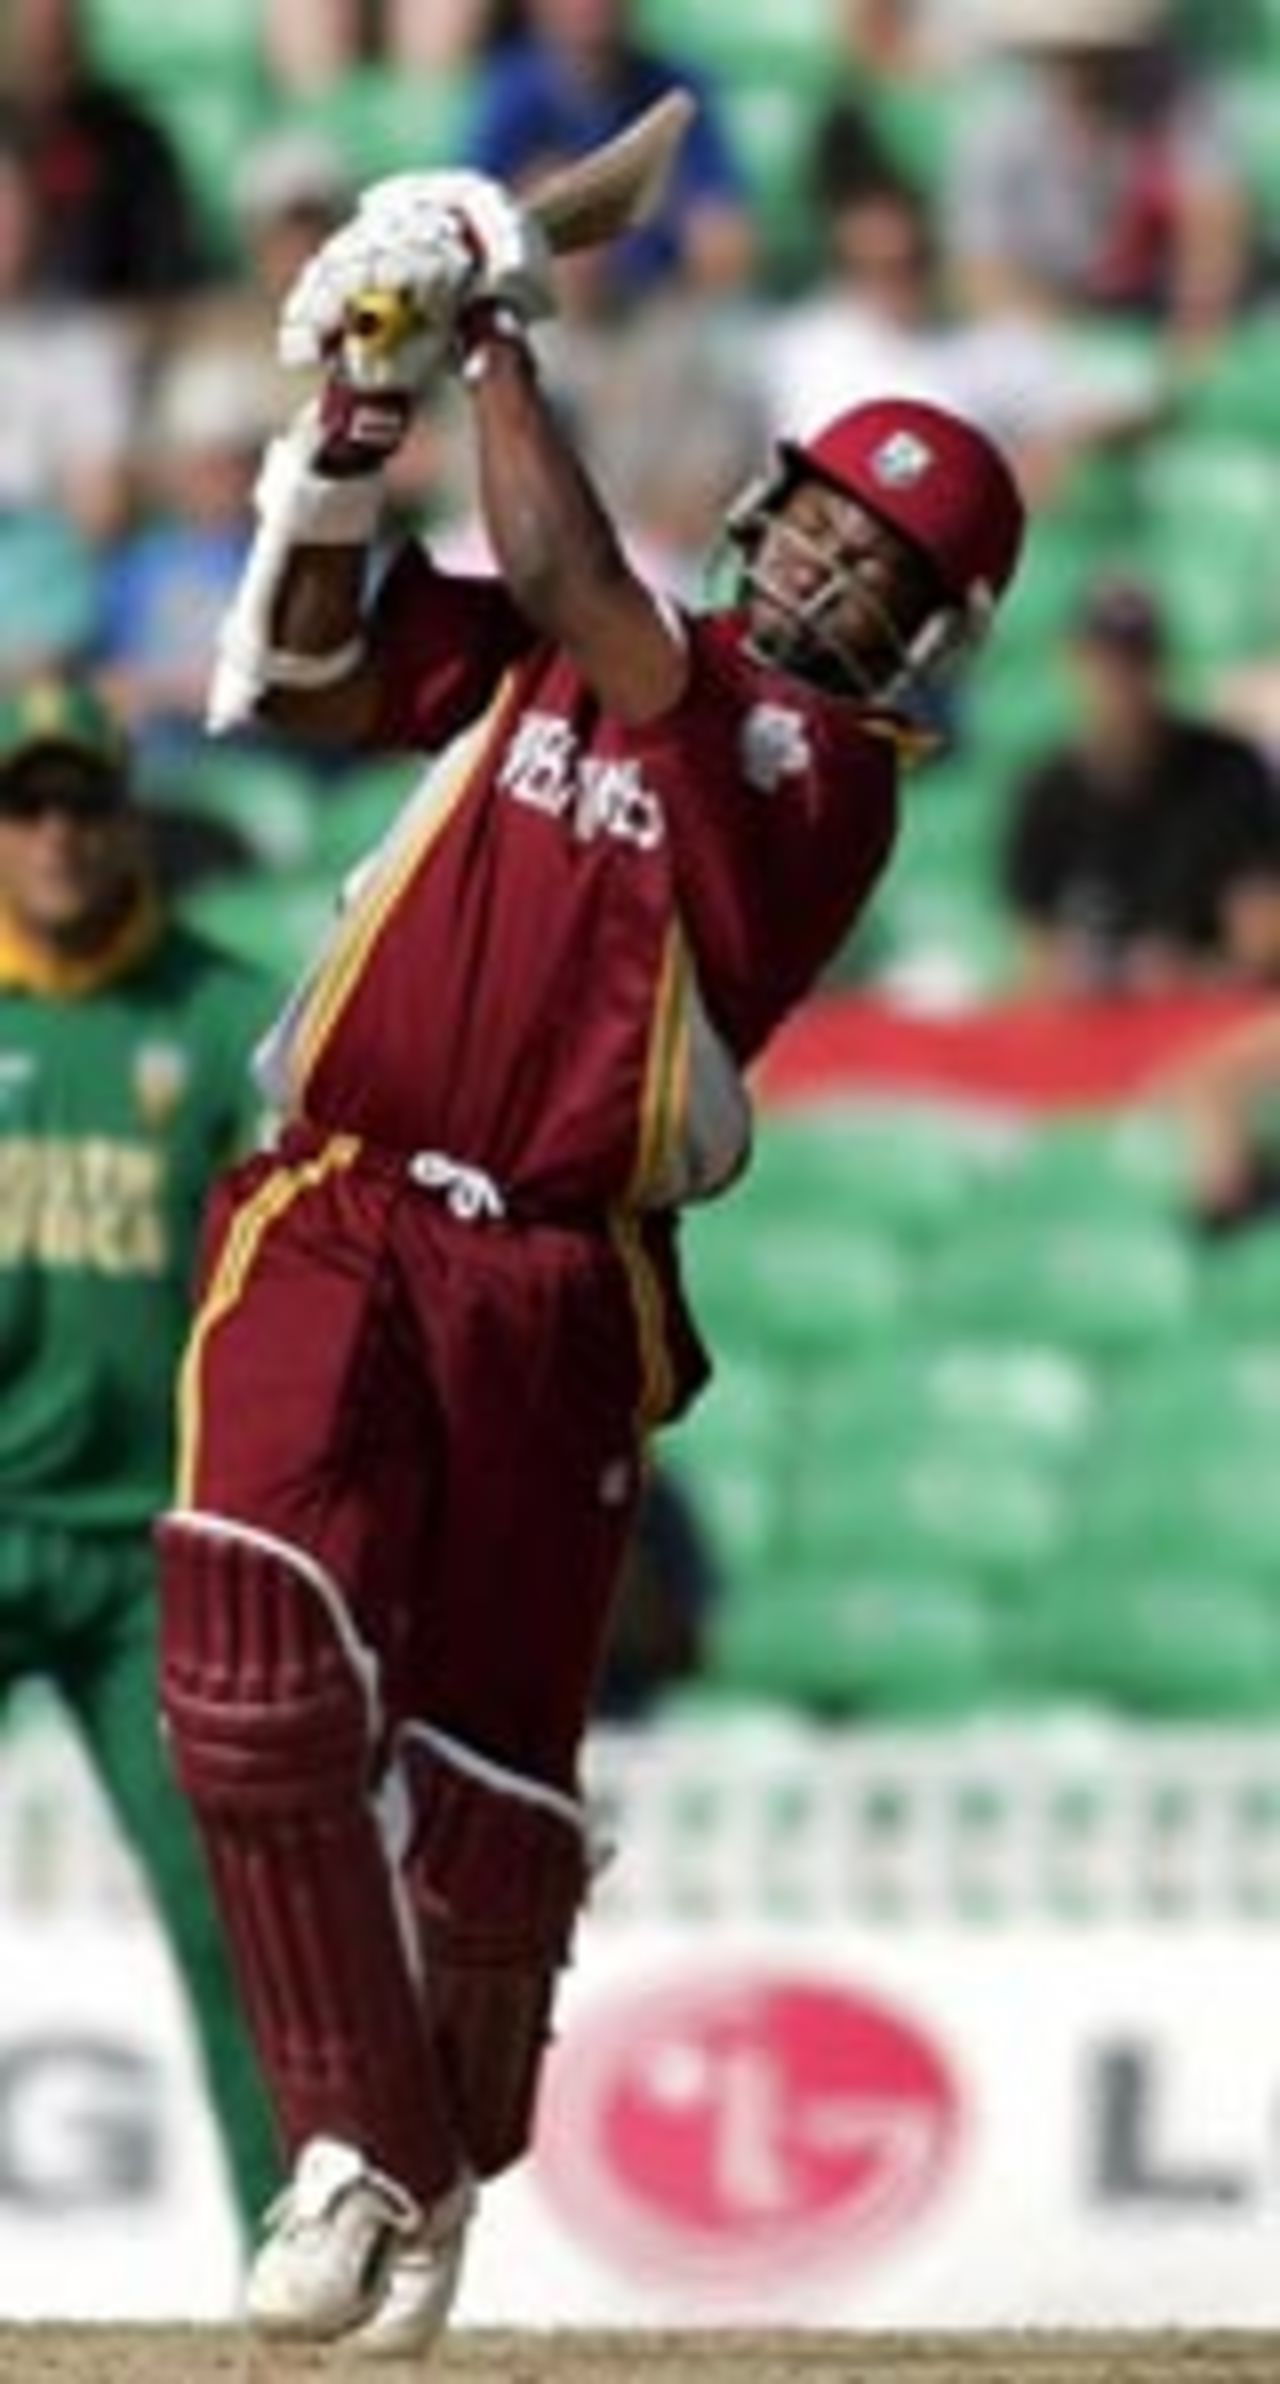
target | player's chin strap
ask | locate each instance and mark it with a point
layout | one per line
(296, 505)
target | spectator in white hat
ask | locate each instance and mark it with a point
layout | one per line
(1105, 181)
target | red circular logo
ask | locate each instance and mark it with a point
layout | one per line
(740, 2126)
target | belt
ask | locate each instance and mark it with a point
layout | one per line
(468, 1191)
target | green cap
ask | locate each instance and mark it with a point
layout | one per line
(61, 716)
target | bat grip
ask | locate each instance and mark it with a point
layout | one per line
(378, 322)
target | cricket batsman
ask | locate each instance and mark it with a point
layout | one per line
(439, 1320)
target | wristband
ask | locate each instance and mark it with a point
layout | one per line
(296, 505)
(481, 327)
(358, 429)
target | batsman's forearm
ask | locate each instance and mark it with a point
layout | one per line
(319, 609)
(553, 541)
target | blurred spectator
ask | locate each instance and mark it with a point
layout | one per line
(291, 188)
(876, 321)
(66, 393)
(906, 40)
(1145, 853)
(1224, 1092)
(666, 1595)
(1103, 180)
(66, 374)
(576, 78)
(167, 584)
(311, 44)
(665, 407)
(125, 1086)
(663, 403)
(118, 223)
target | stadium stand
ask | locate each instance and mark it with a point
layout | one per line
(989, 1427)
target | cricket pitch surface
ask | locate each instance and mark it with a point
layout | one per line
(213, 2355)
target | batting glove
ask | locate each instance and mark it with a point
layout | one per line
(510, 261)
(377, 301)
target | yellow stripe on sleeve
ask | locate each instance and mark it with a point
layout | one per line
(664, 1100)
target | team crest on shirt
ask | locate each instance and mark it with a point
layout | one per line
(774, 745)
(160, 1076)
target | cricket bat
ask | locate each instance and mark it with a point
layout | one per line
(592, 199)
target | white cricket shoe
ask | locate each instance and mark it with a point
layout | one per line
(333, 2236)
(421, 2282)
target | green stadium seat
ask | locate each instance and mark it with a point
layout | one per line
(895, 1645)
(1240, 1287)
(1123, 1170)
(1205, 496)
(48, 589)
(798, 38)
(950, 825)
(1021, 706)
(916, 121)
(747, 1414)
(739, 1507)
(353, 816)
(387, 122)
(1171, 1641)
(1235, 391)
(1064, 554)
(1252, 101)
(1099, 1285)
(770, 122)
(733, 1455)
(141, 45)
(1214, 1499)
(1029, 1403)
(275, 922)
(907, 1169)
(271, 799)
(211, 119)
(944, 942)
(797, 1295)
(1210, 1393)
(965, 1501)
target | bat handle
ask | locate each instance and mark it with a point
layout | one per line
(377, 322)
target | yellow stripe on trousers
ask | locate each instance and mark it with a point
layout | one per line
(271, 1200)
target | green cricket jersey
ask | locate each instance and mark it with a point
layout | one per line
(118, 1102)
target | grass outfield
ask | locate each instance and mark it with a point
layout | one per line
(185, 2355)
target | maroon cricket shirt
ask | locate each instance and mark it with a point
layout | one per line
(572, 913)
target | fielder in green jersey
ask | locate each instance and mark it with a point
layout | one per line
(123, 1086)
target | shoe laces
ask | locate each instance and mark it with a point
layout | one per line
(327, 2172)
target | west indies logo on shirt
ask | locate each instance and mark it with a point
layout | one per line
(774, 745)
(734, 2128)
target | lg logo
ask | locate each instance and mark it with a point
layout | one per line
(738, 2128)
(79, 2126)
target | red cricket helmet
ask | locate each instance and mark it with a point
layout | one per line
(935, 478)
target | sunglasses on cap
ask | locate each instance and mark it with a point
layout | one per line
(64, 783)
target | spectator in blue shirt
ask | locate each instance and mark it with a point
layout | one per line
(574, 78)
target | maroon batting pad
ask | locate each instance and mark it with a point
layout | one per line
(495, 1878)
(271, 1740)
